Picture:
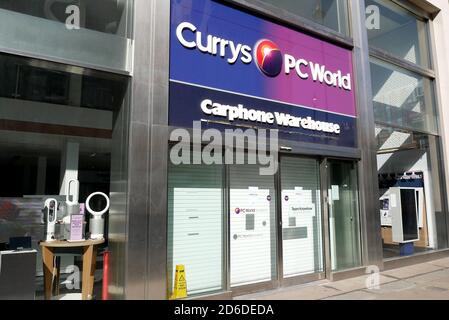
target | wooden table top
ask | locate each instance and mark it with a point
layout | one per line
(68, 244)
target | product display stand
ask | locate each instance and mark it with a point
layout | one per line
(88, 249)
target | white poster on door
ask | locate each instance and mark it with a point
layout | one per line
(250, 236)
(301, 250)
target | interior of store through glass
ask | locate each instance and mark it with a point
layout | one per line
(57, 123)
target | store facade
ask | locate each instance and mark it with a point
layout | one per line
(260, 231)
(349, 94)
(235, 230)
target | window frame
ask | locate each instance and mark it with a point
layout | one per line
(288, 19)
(386, 56)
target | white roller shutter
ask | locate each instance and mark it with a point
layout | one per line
(301, 217)
(195, 225)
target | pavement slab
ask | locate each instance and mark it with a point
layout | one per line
(440, 262)
(416, 294)
(357, 283)
(295, 293)
(437, 279)
(425, 281)
(354, 295)
(413, 270)
(395, 286)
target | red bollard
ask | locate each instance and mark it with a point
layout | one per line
(104, 291)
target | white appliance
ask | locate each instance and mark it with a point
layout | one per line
(72, 207)
(51, 210)
(404, 207)
(96, 223)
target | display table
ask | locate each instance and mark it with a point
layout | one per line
(88, 249)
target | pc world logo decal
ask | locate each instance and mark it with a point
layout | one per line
(243, 210)
(268, 57)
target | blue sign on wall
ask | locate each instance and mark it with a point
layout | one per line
(231, 69)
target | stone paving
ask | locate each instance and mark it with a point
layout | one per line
(425, 281)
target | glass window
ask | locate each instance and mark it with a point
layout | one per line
(403, 98)
(49, 135)
(98, 36)
(399, 32)
(410, 185)
(330, 13)
(37, 84)
(408, 156)
(27, 80)
(195, 226)
(108, 16)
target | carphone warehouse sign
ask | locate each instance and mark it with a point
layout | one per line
(229, 68)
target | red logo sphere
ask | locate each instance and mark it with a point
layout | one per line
(268, 58)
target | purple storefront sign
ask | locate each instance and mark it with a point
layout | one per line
(222, 57)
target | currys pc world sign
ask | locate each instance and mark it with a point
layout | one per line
(230, 68)
(267, 55)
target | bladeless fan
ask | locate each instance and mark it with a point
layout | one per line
(73, 207)
(96, 222)
(51, 219)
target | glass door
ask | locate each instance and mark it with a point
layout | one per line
(344, 225)
(295, 228)
(301, 220)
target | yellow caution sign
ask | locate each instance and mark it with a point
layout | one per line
(180, 285)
